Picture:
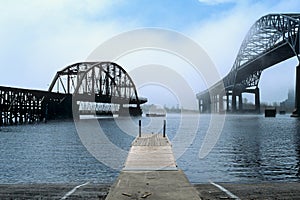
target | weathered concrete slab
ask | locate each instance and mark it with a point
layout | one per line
(152, 185)
(260, 191)
(54, 191)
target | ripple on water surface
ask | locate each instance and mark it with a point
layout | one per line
(251, 148)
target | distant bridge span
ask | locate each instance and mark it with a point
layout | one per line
(272, 39)
(92, 83)
(99, 82)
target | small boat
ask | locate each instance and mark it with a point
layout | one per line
(271, 112)
(155, 114)
(282, 112)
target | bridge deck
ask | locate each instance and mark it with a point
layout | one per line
(150, 172)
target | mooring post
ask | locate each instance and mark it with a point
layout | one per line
(164, 129)
(140, 128)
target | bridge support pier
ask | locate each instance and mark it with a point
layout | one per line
(233, 104)
(257, 99)
(240, 102)
(296, 112)
(237, 106)
(221, 103)
(215, 103)
(227, 102)
(200, 105)
(212, 104)
(205, 104)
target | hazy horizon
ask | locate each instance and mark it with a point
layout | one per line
(41, 38)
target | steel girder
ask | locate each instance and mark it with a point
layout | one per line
(66, 80)
(102, 82)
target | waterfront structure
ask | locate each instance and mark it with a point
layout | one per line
(106, 84)
(272, 39)
(150, 171)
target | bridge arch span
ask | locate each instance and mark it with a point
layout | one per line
(272, 39)
(274, 34)
(108, 81)
(65, 80)
(98, 82)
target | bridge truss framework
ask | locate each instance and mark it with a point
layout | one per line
(104, 87)
(272, 39)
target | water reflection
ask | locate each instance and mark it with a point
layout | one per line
(250, 149)
(296, 126)
(263, 149)
(244, 147)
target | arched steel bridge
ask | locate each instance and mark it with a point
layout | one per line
(272, 39)
(99, 82)
(98, 87)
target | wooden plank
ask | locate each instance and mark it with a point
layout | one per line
(150, 152)
(150, 157)
(150, 172)
(151, 140)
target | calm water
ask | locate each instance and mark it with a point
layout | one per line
(250, 149)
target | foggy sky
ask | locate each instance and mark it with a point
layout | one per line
(39, 38)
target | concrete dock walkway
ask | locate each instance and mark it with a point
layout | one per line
(150, 172)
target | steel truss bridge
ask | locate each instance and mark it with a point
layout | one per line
(81, 88)
(272, 39)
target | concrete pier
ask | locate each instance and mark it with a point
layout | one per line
(150, 172)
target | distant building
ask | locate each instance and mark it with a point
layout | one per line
(289, 104)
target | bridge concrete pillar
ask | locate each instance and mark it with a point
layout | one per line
(257, 99)
(202, 105)
(208, 104)
(217, 100)
(227, 101)
(216, 103)
(221, 103)
(233, 104)
(213, 102)
(240, 102)
(296, 113)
